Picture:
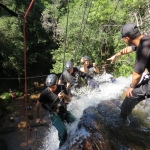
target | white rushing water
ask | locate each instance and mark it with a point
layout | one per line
(83, 98)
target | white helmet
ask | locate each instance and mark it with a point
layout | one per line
(86, 58)
(69, 65)
(51, 80)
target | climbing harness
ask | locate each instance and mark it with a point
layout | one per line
(145, 78)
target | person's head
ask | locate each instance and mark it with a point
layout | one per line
(69, 67)
(86, 60)
(129, 32)
(51, 82)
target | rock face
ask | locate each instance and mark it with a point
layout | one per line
(105, 131)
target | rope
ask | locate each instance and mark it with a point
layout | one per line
(114, 11)
(76, 48)
(65, 39)
(89, 34)
(35, 76)
(109, 25)
(23, 78)
(66, 35)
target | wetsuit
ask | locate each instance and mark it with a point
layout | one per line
(73, 79)
(88, 77)
(142, 89)
(49, 100)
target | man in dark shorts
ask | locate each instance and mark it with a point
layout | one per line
(137, 91)
(54, 99)
(87, 72)
(71, 76)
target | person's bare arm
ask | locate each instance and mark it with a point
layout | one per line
(124, 51)
(64, 96)
(37, 110)
(68, 85)
(82, 60)
(135, 79)
(95, 68)
(59, 82)
(84, 68)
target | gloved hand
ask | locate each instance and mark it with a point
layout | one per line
(61, 95)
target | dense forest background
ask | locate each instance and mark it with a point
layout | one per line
(62, 30)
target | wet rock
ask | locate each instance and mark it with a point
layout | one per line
(36, 145)
(22, 124)
(105, 131)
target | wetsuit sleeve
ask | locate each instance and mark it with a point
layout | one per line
(41, 98)
(61, 77)
(143, 56)
(65, 90)
(134, 48)
(90, 66)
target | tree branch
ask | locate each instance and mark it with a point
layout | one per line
(8, 10)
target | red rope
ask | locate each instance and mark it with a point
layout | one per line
(25, 70)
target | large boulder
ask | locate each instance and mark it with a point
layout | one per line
(100, 128)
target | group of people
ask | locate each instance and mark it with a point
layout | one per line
(56, 96)
(74, 77)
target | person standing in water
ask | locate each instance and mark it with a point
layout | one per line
(55, 98)
(137, 91)
(71, 76)
(87, 72)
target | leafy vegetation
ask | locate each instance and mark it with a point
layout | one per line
(58, 31)
(93, 29)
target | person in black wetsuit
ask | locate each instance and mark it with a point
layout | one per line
(87, 72)
(71, 76)
(137, 91)
(54, 98)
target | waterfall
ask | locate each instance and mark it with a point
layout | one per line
(83, 98)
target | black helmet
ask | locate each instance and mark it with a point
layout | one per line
(86, 58)
(69, 65)
(51, 80)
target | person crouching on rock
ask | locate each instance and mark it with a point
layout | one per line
(54, 98)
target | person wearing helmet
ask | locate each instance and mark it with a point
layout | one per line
(71, 76)
(85, 60)
(87, 72)
(54, 98)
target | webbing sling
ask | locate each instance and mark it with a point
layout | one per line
(145, 93)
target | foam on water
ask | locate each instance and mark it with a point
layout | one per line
(83, 98)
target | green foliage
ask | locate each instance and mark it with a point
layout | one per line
(5, 99)
(5, 96)
(11, 43)
(39, 42)
(77, 28)
(86, 34)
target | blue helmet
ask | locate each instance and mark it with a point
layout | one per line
(51, 80)
(86, 58)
